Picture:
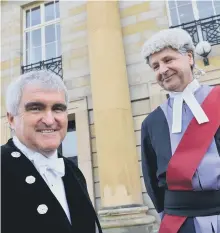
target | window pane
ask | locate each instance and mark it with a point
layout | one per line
(58, 48)
(28, 58)
(186, 13)
(50, 33)
(172, 4)
(36, 54)
(182, 3)
(27, 18)
(49, 11)
(50, 50)
(35, 16)
(36, 38)
(58, 40)
(57, 9)
(69, 146)
(217, 9)
(27, 46)
(174, 17)
(217, 6)
(205, 9)
(58, 31)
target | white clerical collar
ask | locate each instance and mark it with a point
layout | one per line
(30, 154)
(188, 96)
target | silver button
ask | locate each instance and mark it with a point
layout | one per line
(42, 209)
(30, 179)
(16, 154)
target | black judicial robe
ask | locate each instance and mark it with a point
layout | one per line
(156, 153)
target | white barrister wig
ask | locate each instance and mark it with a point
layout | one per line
(175, 38)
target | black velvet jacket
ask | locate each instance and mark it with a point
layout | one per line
(20, 200)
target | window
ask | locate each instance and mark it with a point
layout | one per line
(42, 32)
(68, 148)
(200, 18)
(188, 11)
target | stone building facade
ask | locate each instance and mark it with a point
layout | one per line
(97, 45)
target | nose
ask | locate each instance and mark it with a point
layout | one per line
(163, 69)
(48, 118)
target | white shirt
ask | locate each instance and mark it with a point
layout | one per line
(54, 182)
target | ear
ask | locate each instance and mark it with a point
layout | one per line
(191, 58)
(10, 118)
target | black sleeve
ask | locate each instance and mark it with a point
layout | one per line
(149, 168)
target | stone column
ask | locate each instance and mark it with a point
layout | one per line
(120, 188)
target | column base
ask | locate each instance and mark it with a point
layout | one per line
(127, 220)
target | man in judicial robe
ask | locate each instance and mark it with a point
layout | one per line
(41, 191)
(180, 139)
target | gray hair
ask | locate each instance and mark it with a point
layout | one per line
(48, 80)
(174, 38)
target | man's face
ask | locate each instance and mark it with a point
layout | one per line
(41, 123)
(173, 70)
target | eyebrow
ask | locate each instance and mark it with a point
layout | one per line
(164, 58)
(154, 63)
(31, 104)
(62, 106)
(42, 105)
(168, 56)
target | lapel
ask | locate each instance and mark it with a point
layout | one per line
(71, 190)
(82, 213)
(160, 138)
(38, 192)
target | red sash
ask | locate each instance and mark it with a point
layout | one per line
(189, 153)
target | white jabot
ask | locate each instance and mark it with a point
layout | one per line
(188, 96)
(56, 165)
(51, 168)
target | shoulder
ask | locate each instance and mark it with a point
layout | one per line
(152, 118)
(6, 152)
(217, 88)
(213, 91)
(9, 160)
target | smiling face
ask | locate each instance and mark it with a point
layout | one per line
(41, 123)
(172, 69)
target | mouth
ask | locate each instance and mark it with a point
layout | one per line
(46, 131)
(168, 78)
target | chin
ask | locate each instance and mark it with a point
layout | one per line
(171, 87)
(49, 147)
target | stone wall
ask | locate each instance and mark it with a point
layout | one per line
(75, 48)
(140, 20)
(11, 45)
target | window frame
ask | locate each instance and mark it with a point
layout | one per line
(41, 26)
(194, 9)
